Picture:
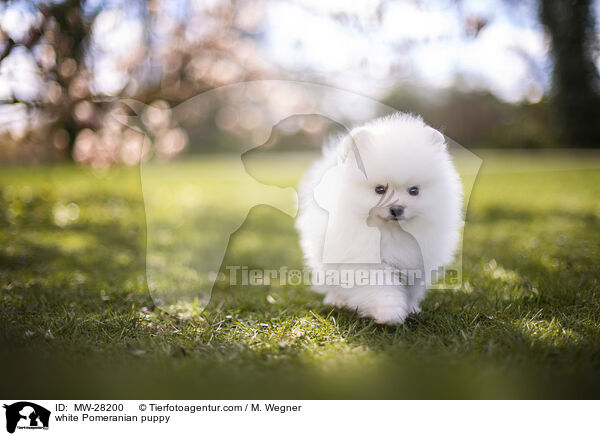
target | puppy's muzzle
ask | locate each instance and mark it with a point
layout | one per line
(396, 212)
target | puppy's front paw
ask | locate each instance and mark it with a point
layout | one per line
(334, 299)
(415, 308)
(391, 315)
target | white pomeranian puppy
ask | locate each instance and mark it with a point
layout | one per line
(386, 197)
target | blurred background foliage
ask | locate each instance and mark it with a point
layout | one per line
(65, 64)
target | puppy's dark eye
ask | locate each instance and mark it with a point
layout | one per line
(414, 191)
(380, 189)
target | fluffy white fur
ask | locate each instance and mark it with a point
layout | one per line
(397, 152)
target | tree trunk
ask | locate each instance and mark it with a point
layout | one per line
(576, 84)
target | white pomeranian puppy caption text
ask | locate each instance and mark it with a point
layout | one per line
(386, 196)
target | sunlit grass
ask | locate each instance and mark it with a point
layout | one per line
(76, 316)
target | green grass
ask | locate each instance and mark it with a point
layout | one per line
(77, 320)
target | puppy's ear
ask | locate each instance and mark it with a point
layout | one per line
(437, 138)
(358, 140)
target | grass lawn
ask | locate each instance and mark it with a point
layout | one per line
(77, 319)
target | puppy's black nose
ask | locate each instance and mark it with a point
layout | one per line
(396, 211)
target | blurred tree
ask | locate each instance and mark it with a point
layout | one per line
(57, 41)
(183, 48)
(576, 83)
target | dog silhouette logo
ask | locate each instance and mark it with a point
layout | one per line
(187, 271)
(26, 415)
